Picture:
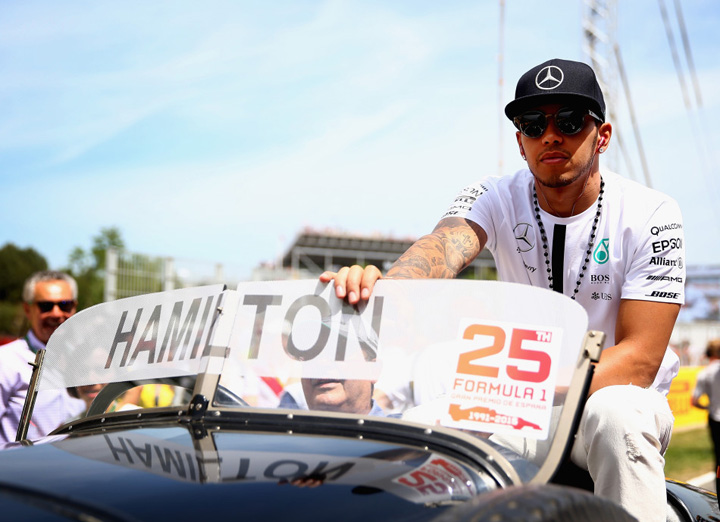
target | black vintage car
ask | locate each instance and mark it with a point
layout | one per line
(288, 404)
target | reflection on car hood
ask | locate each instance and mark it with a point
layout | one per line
(156, 473)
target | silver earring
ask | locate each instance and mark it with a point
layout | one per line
(602, 149)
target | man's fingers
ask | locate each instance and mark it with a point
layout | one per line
(327, 276)
(341, 282)
(353, 282)
(361, 282)
(370, 275)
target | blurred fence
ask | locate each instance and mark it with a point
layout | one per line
(129, 274)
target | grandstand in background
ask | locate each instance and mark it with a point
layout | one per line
(312, 252)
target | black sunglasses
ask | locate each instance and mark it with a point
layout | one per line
(64, 306)
(568, 120)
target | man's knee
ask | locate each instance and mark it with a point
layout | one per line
(622, 412)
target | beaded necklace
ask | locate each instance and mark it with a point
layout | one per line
(591, 239)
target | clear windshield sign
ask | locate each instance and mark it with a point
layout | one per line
(155, 335)
(476, 355)
(299, 329)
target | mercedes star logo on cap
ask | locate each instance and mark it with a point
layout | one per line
(549, 78)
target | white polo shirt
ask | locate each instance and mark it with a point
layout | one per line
(52, 407)
(638, 252)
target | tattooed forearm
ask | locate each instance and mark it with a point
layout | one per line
(443, 254)
(420, 261)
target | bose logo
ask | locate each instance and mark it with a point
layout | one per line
(665, 295)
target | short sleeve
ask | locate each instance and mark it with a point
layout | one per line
(476, 203)
(657, 267)
(464, 201)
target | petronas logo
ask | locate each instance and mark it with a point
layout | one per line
(602, 252)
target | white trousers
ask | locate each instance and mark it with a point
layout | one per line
(623, 435)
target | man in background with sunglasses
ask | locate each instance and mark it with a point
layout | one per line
(50, 298)
(613, 245)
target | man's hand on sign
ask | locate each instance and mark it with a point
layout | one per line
(353, 283)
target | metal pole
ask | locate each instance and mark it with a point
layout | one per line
(501, 81)
(626, 87)
(31, 396)
(111, 269)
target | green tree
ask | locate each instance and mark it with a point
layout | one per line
(88, 267)
(16, 265)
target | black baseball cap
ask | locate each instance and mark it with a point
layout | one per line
(557, 81)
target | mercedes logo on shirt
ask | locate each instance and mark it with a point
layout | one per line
(549, 78)
(524, 236)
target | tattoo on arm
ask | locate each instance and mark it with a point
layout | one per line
(442, 254)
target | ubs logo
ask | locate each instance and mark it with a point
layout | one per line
(525, 237)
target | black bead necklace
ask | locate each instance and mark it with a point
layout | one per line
(591, 240)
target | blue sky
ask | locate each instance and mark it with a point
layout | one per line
(215, 131)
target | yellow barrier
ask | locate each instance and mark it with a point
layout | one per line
(686, 415)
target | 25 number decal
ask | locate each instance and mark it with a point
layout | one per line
(465, 361)
(517, 351)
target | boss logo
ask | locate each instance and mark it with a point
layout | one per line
(599, 279)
